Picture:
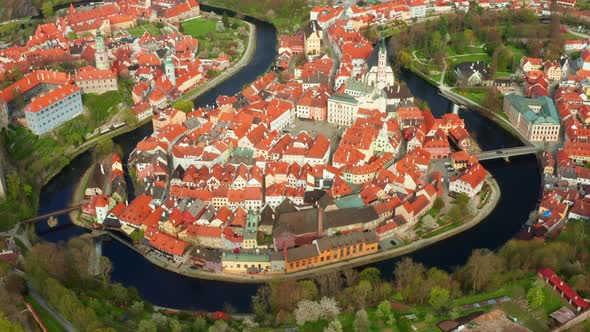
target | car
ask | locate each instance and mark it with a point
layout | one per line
(450, 169)
(447, 163)
(499, 152)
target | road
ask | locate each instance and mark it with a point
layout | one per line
(575, 33)
(227, 74)
(21, 235)
(64, 323)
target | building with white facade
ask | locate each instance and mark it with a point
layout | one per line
(51, 110)
(380, 73)
(92, 80)
(470, 182)
(537, 119)
(342, 109)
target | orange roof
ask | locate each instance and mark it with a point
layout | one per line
(51, 98)
(91, 73)
(204, 231)
(32, 80)
(168, 244)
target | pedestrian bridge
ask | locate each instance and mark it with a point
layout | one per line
(507, 152)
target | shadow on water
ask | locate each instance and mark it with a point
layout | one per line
(168, 289)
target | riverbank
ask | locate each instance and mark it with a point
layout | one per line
(244, 60)
(470, 104)
(191, 95)
(494, 199)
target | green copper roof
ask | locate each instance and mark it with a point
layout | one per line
(356, 85)
(347, 202)
(344, 97)
(547, 113)
(245, 257)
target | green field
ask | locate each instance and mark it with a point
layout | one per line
(199, 27)
(103, 106)
(477, 95)
(51, 324)
(139, 30)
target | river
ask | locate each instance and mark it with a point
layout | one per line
(518, 179)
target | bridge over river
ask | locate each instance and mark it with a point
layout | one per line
(507, 152)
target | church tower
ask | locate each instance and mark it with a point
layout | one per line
(101, 55)
(169, 69)
(382, 63)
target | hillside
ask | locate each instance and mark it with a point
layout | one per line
(10, 9)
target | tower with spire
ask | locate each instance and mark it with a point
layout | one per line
(101, 55)
(380, 74)
(169, 69)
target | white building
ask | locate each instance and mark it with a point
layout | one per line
(51, 110)
(380, 73)
(470, 182)
(342, 109)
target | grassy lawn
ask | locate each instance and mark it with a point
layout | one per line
(478, 95)
(499, 74)
(524, 317)
(199, 27)
(102, 106)
(468, 58)
(139, 30)
(570, 36)
(51, 324)
(517, 52)
(442, 230)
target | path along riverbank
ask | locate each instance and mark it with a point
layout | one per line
(480, 215)
(244, 60)
(78, 195)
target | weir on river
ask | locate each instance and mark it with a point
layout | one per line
(518, 180)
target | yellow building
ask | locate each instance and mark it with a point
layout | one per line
(313, 38)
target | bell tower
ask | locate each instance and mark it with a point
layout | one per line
(101, 55)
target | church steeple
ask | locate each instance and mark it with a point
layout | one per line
(101, 55)
(169, 69)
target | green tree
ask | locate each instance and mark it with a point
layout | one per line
(361, 321)
(13, 185)
(104, 147)
(147, 325)
(184, 105)
(225, 20)
(136, 309)
(462, 199)
(535, 297)
(334, 326)
(371, 274)
(47, 9)
(384, 311)
(438, 204)
(481, 268)
(7, 325)
(199, 325)
(439, 297)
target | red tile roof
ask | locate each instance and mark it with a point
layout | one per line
(51, 98)
(568, 293)
(168, 244)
